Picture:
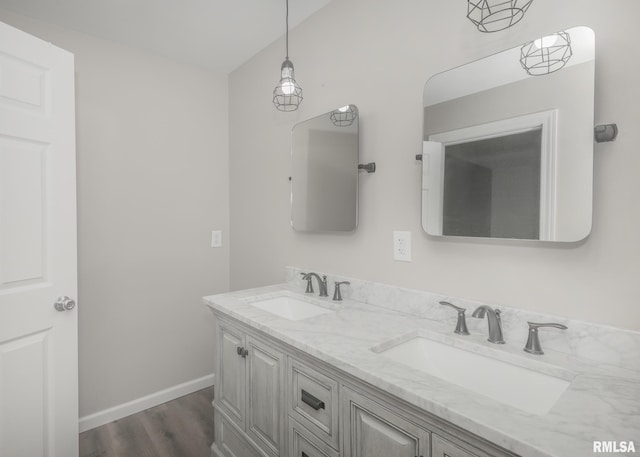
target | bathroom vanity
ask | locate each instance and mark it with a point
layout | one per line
(303, 376)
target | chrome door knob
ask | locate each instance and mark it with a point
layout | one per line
(64, 304)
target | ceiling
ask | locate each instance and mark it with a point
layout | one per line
(217, 34)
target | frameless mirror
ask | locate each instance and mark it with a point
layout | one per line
(508, 143)
(324, 172)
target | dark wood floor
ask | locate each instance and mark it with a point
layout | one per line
(180, 428)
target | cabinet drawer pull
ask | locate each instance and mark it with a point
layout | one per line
(311, 400)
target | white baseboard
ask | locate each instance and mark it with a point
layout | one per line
(142, 403)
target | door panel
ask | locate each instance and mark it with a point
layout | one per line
(22, 169)
(23, 367)
(38, 345)
(23, 83)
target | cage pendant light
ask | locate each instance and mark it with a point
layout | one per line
(288, 94)
(344, 117)
(547, 54)
(496, 15)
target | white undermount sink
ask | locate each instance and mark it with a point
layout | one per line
(289, 307)
(528, 390)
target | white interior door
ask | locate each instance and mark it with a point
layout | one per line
(38, 344)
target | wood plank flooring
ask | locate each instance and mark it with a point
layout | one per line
(180, 428)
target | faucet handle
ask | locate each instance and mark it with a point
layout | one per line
(307, 277)
(337, 295)
(461, 325)
(533, 341)
(536, 325)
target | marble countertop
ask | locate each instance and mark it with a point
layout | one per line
(602, 402)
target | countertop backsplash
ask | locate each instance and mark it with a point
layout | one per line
(600, 343)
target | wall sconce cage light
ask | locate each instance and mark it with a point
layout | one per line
(344, 117)
(496, 15)
(546, 55)
(287, 95)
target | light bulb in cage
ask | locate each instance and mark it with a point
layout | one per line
(287, 95)
(496, 15)
(344, 116)
(547, 54)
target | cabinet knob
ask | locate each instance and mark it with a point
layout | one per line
(242, 352)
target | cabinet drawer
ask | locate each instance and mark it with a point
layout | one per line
(229, 442)
(302, 443)
(313, 401)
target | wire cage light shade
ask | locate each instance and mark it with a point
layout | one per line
(287, 95)
(546, 55)
(496, 15)
(344, 117)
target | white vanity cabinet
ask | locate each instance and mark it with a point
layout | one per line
(250, 376)
(273, 400)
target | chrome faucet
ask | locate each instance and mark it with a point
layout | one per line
(322, 283)
(495, 323)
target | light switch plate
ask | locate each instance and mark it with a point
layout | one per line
(216, 238)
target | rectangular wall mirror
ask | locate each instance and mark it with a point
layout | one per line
(508, 143)
(324, 172)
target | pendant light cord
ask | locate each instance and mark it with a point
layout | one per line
(287, 33)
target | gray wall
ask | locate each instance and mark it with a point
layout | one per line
(378, 55)
(152, 164)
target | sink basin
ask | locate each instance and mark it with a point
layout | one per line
(513, 385)
(290, 307)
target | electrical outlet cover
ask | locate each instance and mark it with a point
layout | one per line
(402, 246)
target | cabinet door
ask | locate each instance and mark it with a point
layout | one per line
(372, 430)
(444, 448)
(265, 415)
(230, 374)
